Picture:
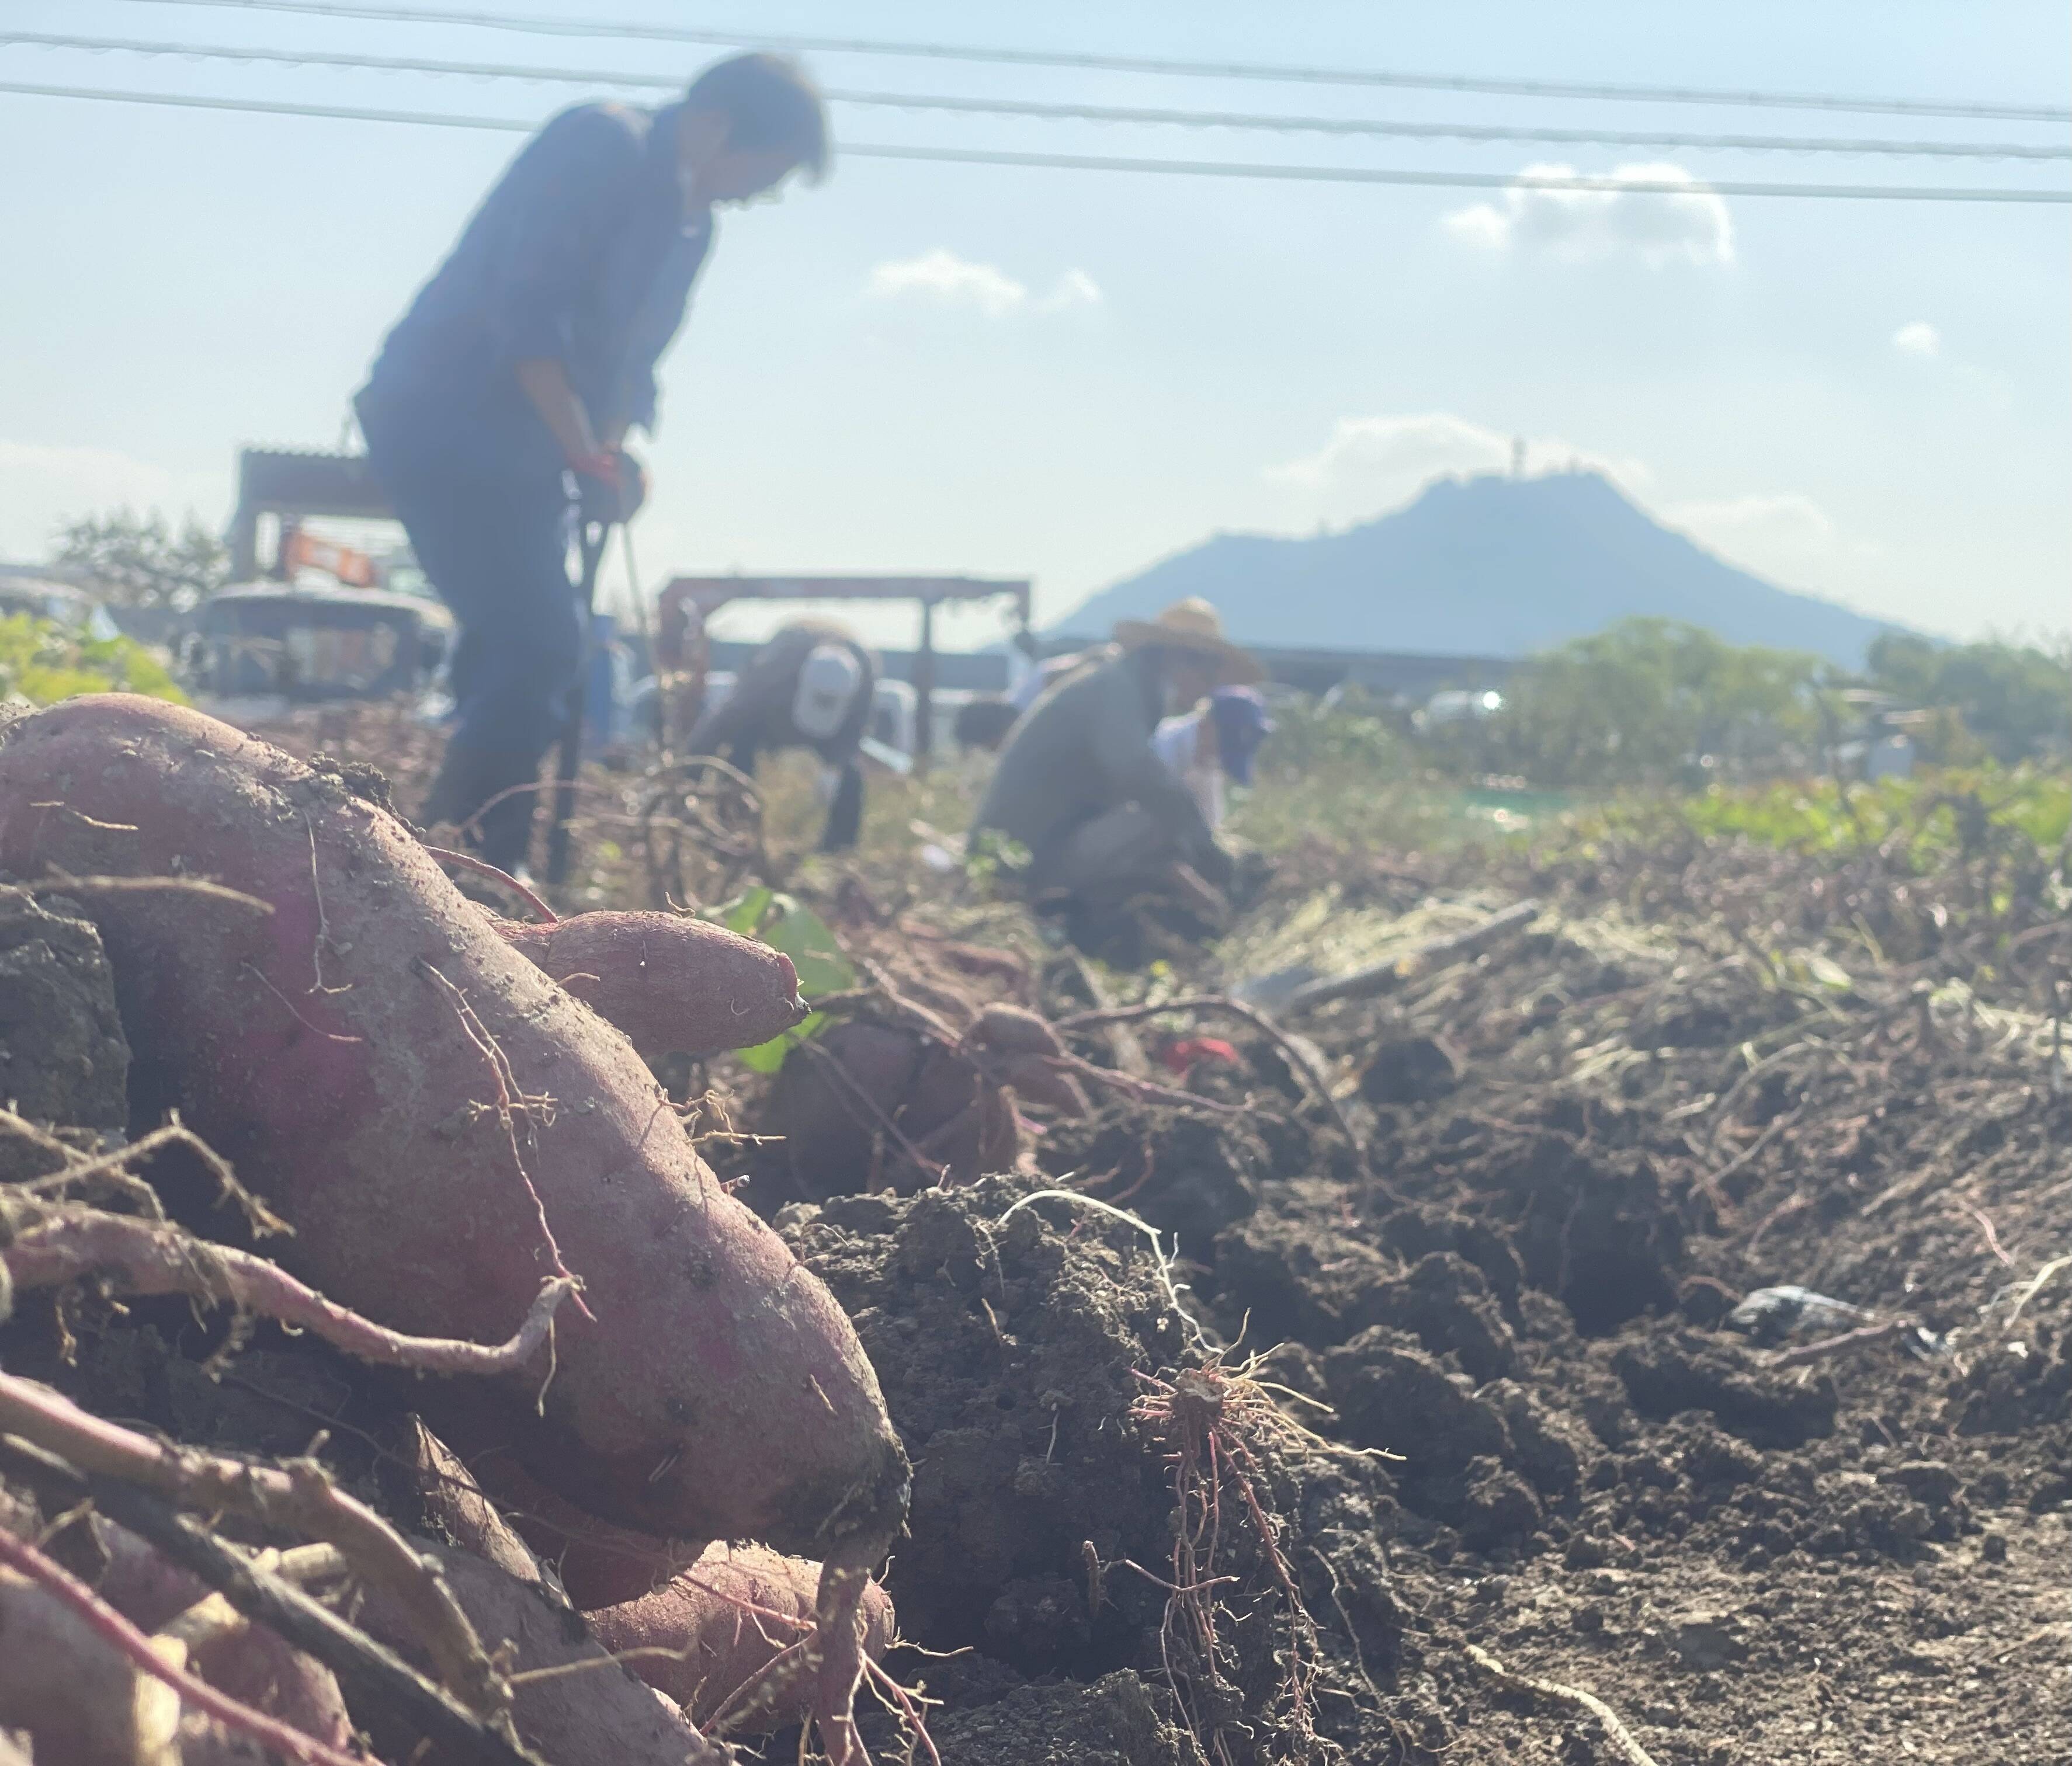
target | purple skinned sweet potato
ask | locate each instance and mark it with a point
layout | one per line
(675, 985)
(445, 1128)
(724, 1621)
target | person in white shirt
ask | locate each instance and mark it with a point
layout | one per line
(1220, 737)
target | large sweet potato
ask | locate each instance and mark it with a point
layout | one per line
(426, 1107)
(674, 985)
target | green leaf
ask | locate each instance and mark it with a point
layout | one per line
(785, 923)
(768, 1057)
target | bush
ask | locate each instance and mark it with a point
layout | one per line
(42, 662)
(2015, 698)
(1655, 702)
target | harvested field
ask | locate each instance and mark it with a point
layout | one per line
(1361, 1383)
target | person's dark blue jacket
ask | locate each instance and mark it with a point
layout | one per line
(580, 253)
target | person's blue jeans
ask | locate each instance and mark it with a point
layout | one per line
(497, 552)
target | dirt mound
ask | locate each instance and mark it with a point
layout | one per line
(1006, 1346)
(62, 1058)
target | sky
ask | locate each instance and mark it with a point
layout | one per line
(1068, 374)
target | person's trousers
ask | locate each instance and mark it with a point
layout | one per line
(1123, 851)
(497, 552)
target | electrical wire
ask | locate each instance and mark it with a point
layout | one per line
(543, 26)
(1075, 113)
(1194, 168)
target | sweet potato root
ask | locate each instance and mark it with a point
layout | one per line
(724, 1621)
(444, 1127)
(675, 985)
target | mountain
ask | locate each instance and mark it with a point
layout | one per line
(1485, 566)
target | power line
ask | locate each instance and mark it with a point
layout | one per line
(538, 25)
(1076, 113)
(1194, 168)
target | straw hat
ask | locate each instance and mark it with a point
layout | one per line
(1192, 625)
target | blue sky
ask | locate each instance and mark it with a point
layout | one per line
(1069, 374)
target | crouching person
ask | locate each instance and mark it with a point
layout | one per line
(1080, 784)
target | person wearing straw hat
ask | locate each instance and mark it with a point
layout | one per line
(1080, 787)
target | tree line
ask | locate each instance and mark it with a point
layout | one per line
(1658, 702)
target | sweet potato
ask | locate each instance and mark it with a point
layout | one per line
(599, 1714)
(727, 1619)
(443, 1126)
(433, 1478)
(1022, 1051)
(83, 1701)
(254, 1666)
(80, 1699)
(870, 1105)
(597, 1563)
(675, 985)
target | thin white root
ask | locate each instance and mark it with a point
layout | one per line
(1157, 1250)
(1574, 1697)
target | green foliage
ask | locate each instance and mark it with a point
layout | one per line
(988, 853)
(42, 663)
(139, 561)
(1654, 701)
(786, 924)
(1920, 822)
(1346, 773)
(2015, 698)
(1354, 734)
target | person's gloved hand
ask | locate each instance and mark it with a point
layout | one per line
(612, 485)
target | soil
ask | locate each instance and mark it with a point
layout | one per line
(1514, 1408)
(62, 1058)
(1579, 1161)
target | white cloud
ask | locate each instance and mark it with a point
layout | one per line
(1688, 223)
(1075, 288)
(48, 487)
(942, 277)
(1787, 537)
(1372, 463)
(1919, 339)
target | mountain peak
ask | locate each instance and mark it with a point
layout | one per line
(1489, 566)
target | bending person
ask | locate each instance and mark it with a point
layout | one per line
(812, 686)
(505, 392)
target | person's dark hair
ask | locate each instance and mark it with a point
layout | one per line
(770, 102)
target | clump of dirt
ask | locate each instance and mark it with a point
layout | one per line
(1117, 1721)
(1034, 1360)
(1188, 1174)
(1008, 1345)
(63, 1056)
